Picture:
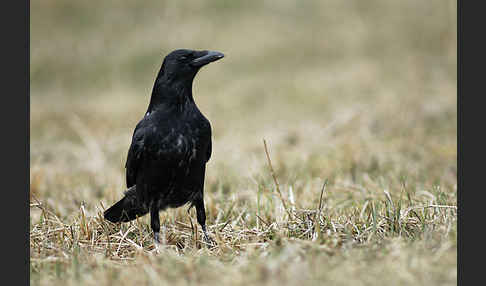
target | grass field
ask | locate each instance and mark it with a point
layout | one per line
(356, 101)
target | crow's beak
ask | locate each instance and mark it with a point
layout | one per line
(206, 58)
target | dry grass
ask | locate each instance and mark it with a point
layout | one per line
(356, 103)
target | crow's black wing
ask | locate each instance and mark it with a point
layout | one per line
(135, 155)
(207, 135)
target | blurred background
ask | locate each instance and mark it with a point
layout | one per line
(362, 93)
(340, 83)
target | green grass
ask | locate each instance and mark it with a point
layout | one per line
(359, 95)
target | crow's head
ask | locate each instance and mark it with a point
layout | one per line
(184, 64)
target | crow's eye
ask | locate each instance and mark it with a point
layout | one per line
(183, 58)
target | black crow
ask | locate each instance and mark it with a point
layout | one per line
(170, 146)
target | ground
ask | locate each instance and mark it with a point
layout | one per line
(356, 102)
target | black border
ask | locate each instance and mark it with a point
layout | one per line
(471, 77)
(15, 211)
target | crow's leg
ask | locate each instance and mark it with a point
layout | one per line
(155, 221)
(201, 219)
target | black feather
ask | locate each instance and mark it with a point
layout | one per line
(126, 209)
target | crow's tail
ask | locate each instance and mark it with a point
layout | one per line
(126, 209)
